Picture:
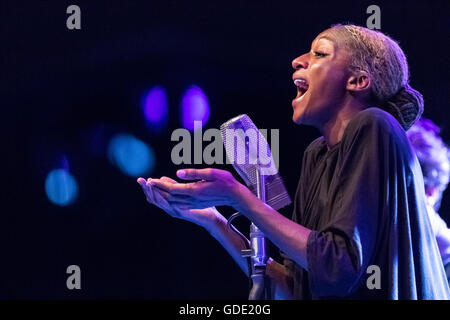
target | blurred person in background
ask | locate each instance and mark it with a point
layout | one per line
(433, 155)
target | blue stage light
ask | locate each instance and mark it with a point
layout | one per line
(131, 155)
(156, 107)
(194, 107)
(61, 187)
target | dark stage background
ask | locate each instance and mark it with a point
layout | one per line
(66, 93)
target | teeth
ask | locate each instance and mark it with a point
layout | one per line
(302, 83)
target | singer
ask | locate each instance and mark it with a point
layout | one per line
(360, 200)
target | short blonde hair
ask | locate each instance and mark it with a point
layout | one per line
(385, 63)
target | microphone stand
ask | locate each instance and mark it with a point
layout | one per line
(261, 288)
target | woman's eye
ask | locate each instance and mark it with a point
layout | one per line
(320, 54)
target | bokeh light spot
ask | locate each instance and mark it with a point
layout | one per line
(61, 187)
(156, 107)
(194, 107)
(131, 155)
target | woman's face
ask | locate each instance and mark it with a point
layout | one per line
(320, 77)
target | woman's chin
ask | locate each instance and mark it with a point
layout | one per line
(299, 112)
(298, 117)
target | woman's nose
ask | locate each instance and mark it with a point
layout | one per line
(299, 62)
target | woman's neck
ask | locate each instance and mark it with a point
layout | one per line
(333, 129)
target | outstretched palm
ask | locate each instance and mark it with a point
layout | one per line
(160, 198)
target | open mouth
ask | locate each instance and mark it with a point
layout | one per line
(302, 86)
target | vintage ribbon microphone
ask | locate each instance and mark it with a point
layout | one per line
(249, 153)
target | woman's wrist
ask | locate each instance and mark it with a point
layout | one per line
(239, 196)
(216, 223)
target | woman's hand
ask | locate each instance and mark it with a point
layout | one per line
(206, 218)
(158, 192)
(215, 187)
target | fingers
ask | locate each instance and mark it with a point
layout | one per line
(148, 191)
(161, 198)
(167, 179)
(175, 205)
(173, 188)
(143, 183)
(161, 193)
(197, 174)
(171, 199)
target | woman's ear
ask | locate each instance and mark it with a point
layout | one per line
(358, 82)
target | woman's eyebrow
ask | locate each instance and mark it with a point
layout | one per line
(327, 38)
(333, 44)
(323, 37)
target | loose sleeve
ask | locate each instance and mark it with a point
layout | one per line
(339, 253)
(287, 261)
(308, 163)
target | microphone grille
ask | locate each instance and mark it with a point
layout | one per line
(247, 159)
(233, 134)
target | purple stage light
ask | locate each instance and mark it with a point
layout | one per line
(155, 107)
(194, 107)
